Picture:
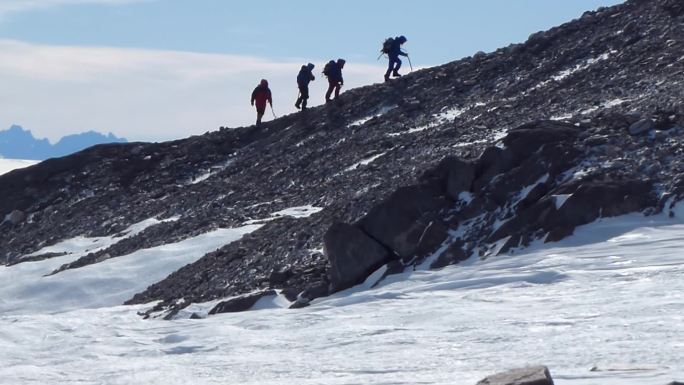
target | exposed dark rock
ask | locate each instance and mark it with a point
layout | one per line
(460, 178)
(434, 234)
(279, 277)
(535, 375)
(642, 126)
(603, 198)
(567, 99)
(674, 7)
(402, 221)
(353, 255)
(241, 303)
(15, 217)
(493, 161)
(304, 298)
(528, 138)
(453, 254)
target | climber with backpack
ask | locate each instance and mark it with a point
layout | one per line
(392, 48)
(304, 77)
(260, 96)
(333, 70)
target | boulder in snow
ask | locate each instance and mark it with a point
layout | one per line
(241, 303)
(352, 254)
(402, 222)
(460, 178)
(534, 375)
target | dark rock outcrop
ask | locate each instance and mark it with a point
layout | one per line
(408, 222)
(15, 217)
(353, 255)
(471, 158)
(241, 303)
(535, 375)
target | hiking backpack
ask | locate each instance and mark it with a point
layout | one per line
(387, 45)
(328, 67)
(303, 75)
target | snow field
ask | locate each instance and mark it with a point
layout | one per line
(7, 165)
(609, 297)
(28, 289)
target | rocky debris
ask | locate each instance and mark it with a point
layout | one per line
(526, 191)
(13, 259)
(572, 92)
(14, 218)
(642, 126)
(241, 303)
(534, 375)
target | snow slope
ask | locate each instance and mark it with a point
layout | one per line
(29, 288)
(7, 165)
(609, 297)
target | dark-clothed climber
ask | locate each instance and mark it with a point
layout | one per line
(304, 77)
(393, 53)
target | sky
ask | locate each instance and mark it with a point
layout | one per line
(155, 70)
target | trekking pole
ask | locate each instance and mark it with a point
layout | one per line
(409, 60)
(274, 115)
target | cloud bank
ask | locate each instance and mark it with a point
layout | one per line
(10, 6)
(144, 94)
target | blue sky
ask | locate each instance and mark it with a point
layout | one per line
(165, 69)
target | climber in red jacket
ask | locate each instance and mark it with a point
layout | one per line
(261, 95)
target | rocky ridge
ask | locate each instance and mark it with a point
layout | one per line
(476, 157)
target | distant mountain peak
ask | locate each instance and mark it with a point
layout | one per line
(19, 143)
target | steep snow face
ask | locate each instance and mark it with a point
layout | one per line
(7, 165)
(608, 297)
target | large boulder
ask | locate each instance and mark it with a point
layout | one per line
(453, 254)
(642, 126)
(491, 163)
(534, 375)
(15, 217)
(451, 176)
(460, 178)
(402, 222)
(241, 303)
(591, 200)
(527, 139)
(352, 254)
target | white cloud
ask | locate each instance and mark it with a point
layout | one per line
(9, 6)
(143, 94)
